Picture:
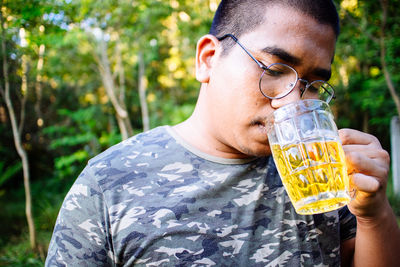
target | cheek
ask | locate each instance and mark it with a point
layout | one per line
(236, 96)
(244, 104)
(241, 90)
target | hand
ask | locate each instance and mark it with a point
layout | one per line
(368, 168)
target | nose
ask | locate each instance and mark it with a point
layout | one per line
(293, 96)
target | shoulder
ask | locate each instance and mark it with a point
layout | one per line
(152, 140)
(144, 146)
(133, 159)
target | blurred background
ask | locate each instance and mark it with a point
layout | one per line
(77, 76)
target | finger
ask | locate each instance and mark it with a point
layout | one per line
(368, 151)
(365, 183)
(350, 136)
(360, 163)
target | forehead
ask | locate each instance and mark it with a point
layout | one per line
(293, 31)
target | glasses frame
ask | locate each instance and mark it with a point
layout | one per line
(267, 68)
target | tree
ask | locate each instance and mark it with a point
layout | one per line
(17, 129)
(104, 67)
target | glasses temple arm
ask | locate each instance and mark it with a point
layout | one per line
(247, 52)
(332, 94)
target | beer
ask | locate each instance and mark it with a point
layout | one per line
(314, 175)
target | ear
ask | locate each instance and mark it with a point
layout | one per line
(205, 57)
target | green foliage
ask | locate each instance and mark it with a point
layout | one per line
(65, 162)
(79, 137)
(14, 243)
(7, 172)
(51, 192)
(15, 258)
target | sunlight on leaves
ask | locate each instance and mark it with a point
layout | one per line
(173, 63)
(151, 98)
(184, 16)
(350, 6)
(179, 73)
(174, 4)
(213, 5)
(89, 98)
(374, 71)
(166, 81)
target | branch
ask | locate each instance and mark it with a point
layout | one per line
(108, 81)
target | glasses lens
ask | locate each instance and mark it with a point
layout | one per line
(319, 90)
(277, 80)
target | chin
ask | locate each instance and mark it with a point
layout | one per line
(257, 151)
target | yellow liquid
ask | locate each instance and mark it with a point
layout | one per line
(314, 175)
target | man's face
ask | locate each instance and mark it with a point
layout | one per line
(235, 105)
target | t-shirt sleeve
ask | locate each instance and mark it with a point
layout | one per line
(81, 233)
(348, 224)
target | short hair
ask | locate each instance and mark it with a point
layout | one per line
(241, 16)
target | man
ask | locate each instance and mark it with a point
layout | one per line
(206, 192)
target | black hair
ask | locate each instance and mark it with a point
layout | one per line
(241, 16)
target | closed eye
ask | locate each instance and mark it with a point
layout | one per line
(274, 72)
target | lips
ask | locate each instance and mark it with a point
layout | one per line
(257, 122)
(261, 126)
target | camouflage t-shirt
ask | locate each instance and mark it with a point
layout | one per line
(153, 200)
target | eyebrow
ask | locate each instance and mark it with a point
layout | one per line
(282, 54)
(325, 74)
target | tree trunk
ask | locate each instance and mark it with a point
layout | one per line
(122, 90)
(142, 93)
(17, 137)
(108, 82)
(389, 82)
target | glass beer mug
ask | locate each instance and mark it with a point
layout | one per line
(309, 156)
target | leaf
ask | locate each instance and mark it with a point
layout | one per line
(8, 172)
(66, 161)
(72, 140)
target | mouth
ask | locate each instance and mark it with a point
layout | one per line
(260, 124)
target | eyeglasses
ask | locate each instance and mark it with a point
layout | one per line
(278, 80)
